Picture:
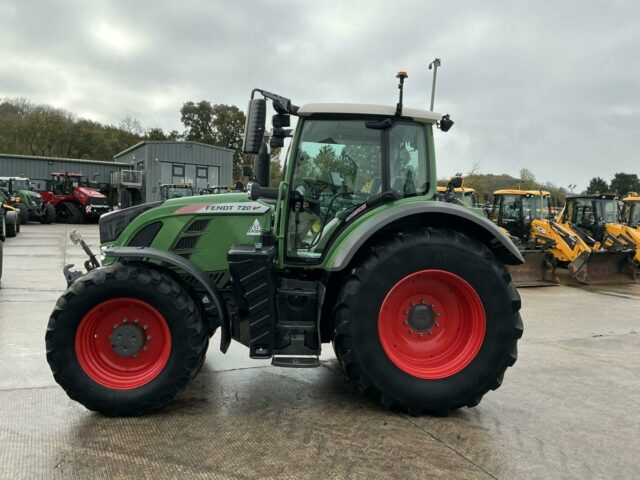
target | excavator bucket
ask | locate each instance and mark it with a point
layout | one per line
(603, 267)
(538, 270)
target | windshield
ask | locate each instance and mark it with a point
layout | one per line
(535, 207)
(20, 185)
(177, 192)
(338, 166)
(632, 213)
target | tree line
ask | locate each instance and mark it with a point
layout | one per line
(42, 130)
(621, 184)
(486, 184)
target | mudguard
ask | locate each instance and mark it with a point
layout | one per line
(437, 214)
(177, 261)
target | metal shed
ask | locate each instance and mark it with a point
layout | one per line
(39, 169)
(178, 162)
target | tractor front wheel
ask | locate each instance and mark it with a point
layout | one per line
(427, 321)
(125, 339)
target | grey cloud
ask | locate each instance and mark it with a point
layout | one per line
(551, 86)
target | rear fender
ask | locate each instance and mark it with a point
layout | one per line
(430, 214)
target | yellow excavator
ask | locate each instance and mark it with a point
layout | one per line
(598, 219)
(545, 243)
(631, 210)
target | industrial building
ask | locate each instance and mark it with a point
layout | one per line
(178, 162)
(39, 169)
(137, 172)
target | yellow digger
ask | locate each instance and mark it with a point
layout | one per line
(526, 216)
(631, 211)
(598, 219)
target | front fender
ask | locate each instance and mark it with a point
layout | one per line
(430, 214)
(138, 253)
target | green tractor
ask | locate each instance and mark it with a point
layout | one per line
(28, 202)
(352, 249)
(176, 190)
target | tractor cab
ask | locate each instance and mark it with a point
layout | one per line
(176, 190)
(15, 184)
(631, 211)
(514, 210)
(64, 183)
(345, 163)
(591, 214)
(467, 196)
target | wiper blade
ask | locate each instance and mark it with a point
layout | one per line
(384, 197)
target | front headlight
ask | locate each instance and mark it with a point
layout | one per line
(112, 224)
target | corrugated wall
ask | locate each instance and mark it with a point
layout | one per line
(41, 168)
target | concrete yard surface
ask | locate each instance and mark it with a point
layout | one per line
(567, 409)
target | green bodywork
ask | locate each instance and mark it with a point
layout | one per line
(225, 230)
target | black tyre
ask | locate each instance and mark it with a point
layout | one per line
(48, 214)
(125, 339)
(68, 212)
(427, 321)
(12, 227)
(1, 255)
(24, 213)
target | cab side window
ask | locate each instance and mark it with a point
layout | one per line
(408, 160)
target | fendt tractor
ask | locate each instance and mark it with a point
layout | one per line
(546, 243)
(30, 203)
(413, 293)
(74, 198)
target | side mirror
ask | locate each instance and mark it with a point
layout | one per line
(445, 123)
(255, 125)
(247, 171)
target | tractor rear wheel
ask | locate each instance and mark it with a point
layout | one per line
(68, 212)
(427, 321)
(48, 214)
(125, 339)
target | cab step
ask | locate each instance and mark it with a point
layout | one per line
(291, 361)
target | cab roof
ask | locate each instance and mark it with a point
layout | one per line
(509, 191)
(417, 114)
(457, 190)
(595, 196)
(631, 199)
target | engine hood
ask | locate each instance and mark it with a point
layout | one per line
(216, 204)
(89, 192)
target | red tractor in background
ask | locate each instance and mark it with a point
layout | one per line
(74, 198)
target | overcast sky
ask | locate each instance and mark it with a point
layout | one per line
(551, 86)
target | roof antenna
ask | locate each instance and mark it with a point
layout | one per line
(435, 64)
(401, 76)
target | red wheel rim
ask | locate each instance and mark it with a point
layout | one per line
(97, 355)
(431, 324)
